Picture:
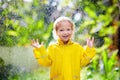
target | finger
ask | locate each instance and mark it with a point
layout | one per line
(33, 41)
(92, 39)
(37, 41)
(42, 43)
(88, 39)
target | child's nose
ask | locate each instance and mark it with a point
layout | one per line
(65, 32)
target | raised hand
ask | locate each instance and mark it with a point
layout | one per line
(35, 43)
(90, 42)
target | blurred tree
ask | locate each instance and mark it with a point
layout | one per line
(6, 71)
(101, 21)
(20, 23)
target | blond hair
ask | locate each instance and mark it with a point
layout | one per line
(57, 24)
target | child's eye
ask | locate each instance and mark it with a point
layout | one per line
(61, 30)
(68, 29)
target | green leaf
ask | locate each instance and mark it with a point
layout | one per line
(12, 33)
(112, 60)
(107, 30)
(90, 12)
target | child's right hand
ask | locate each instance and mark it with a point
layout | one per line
(35, 43)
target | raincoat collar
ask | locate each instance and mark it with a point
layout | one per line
(60, 42)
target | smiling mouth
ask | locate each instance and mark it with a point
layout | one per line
(65, 36)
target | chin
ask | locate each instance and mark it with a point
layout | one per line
(66, 40)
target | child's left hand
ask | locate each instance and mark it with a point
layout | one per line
(90, 42)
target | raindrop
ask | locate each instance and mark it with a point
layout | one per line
(77, 16)
(54, 4)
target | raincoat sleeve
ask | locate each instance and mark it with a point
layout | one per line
(43, 56)
(87, 55)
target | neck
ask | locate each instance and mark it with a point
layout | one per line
(65, 42)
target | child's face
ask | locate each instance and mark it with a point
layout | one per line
(64, 31)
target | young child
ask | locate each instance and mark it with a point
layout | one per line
(64, 57)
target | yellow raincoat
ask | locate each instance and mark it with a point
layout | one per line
(65, 61)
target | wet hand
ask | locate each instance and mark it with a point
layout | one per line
(90, 42)
(35, 43)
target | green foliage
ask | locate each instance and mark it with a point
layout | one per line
(20, 27)
(108, 62)
(6, 71)
(90, 12)
(21, 22)
(38, 74)
(104, 67)
(99, 25)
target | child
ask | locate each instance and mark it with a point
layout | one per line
(64, 57)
